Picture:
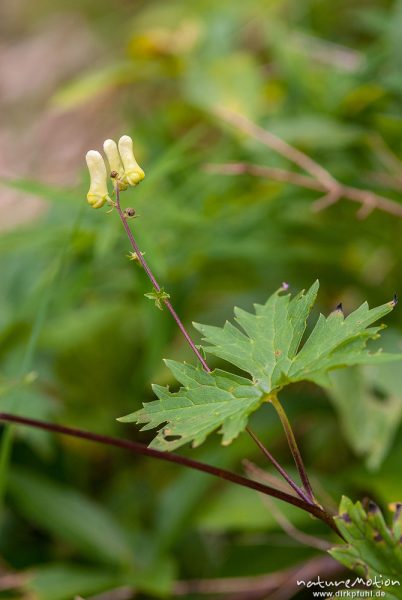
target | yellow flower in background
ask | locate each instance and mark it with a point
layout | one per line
(123, 169)
(98, 193)
(133, 173)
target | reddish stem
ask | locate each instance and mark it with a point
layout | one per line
(138, 448)
(299, 491)
(156, 285)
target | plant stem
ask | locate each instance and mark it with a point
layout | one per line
(154, 282)
(138, 448)
(273, 398)
(280, 469)
(194, 348)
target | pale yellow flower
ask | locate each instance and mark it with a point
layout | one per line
(133, 173)
(115, 164)
(98, 193)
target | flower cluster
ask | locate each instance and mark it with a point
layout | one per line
(123, 169)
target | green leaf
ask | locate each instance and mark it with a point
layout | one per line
(63, 581)
(25, 398)
(93, 83)
(206, 401)
(369, 422)
(232, 81)
(315, 131)
(337, 342)
(159, 297)
(234, 508)
(68, 515)
(43, 190)
(272, 336)
(267, 348)
(372, 549)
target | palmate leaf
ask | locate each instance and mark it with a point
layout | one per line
(205, 402)
(267, 348)
(266, 345)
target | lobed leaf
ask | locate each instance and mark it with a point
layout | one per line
(266, 345)
(267, 348)
(205, 402)
(270, 340)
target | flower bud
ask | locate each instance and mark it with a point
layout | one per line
(98, 193)
(115, 164)
(133, 173)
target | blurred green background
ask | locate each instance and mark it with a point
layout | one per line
(79, 343)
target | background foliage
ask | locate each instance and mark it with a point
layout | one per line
(80, 344)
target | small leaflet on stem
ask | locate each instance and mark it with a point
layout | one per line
(133, 256)
(159, 296)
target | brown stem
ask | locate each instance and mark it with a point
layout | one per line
(292, 531)
(366, 198)
(274, 142)
(260, 583)
(138, 448)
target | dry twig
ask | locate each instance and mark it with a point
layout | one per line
(250, 586)
(259, 474)
(254, 471)
(261, 583)
(318, 178)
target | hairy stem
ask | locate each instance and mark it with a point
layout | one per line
(138, 448)
(293, 445)
(157, 287)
